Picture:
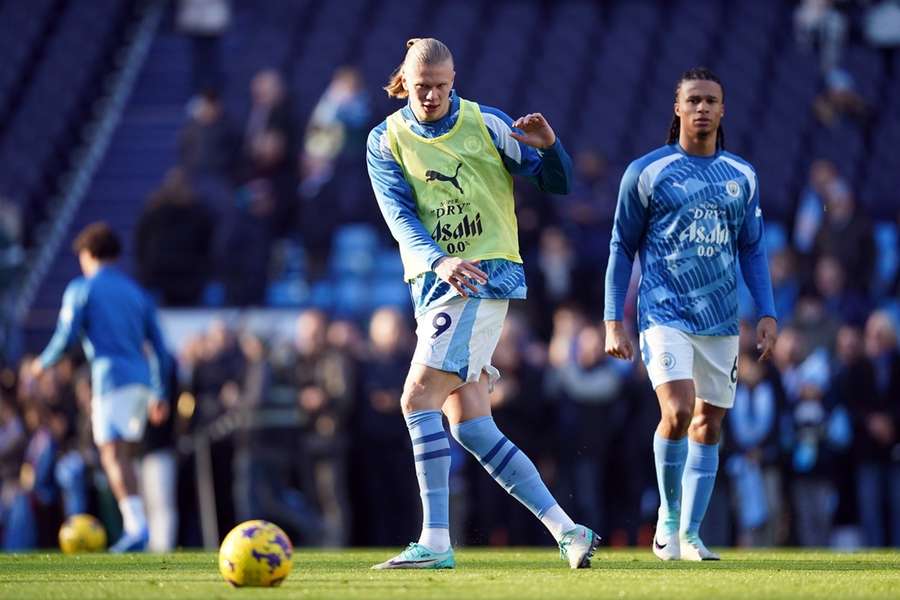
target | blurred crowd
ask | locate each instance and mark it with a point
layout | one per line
(209, 233)
(305, 428)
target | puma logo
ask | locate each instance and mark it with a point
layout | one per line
(680, 185)
(432, 175)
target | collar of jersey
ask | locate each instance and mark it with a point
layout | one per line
(437, 128)
(101, 269)
(685, 153)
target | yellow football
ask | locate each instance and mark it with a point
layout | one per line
(255, 554)
(82, 533)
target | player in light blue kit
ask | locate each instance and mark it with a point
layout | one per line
(690, 210)
(113, 318)
(441, 170)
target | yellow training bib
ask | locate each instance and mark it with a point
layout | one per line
(463, 192)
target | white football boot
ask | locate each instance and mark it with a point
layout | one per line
(694, 549)
(417, 556)
(578, 546)
(666, 547)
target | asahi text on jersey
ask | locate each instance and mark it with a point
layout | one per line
(707, 226)
(450, 227)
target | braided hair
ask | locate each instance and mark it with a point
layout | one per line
(696, 74)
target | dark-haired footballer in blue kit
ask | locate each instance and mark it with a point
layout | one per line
(114, 320)
(690, 211)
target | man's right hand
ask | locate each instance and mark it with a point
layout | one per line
(35, 368)
(157, 411)
(460, 273)
(618, 343)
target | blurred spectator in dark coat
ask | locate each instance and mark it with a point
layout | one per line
(217, 368)
(846, 303)
(586, 213)
(816, 435)
(333, 142)
(840, 98)
(816, 325)
(383, 440)
(15, 514)
(876, 415)
(267, 451)
(321, 383)
(246, 244)
(173, 243)
(785, 283)
(38, 472)
(209, 145)
(270, 113)
(270, 145)
(754, 458)
(337, 126)
(809, 213)
(556, 278)
(588, 385)
(846, 234)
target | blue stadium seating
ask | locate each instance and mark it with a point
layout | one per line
(602, 71)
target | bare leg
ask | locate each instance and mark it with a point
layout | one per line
(116, 458)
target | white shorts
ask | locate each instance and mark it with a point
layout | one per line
(709, 360)
(460, 337)
(120, 414)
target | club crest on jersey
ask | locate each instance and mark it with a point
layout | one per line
(666, 361)
(473, 144)
(733, 189)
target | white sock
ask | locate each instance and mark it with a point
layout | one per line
(133, 518)
(557, 521)
(435, 539)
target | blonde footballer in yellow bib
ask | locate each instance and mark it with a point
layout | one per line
(441, 168)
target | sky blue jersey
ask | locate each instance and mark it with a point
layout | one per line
(112, 317)
(549, 169)
(691, 219)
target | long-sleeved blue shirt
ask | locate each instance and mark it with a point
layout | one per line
(550, 169)
(691, 219)
(112, 317)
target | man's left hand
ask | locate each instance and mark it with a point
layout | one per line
(766, 335)
(536, 131)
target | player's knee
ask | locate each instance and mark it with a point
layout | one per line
(107, 453)
(678, 419)
(416, 396)
(425, 389)
(112, 455)
(706, 428)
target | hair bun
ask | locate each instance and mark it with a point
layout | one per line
(411, 42)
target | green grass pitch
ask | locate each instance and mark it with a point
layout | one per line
(514, 573)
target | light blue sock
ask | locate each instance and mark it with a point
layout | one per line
(505, 462)
(431, 449)
(669, 456)
(699, 481)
